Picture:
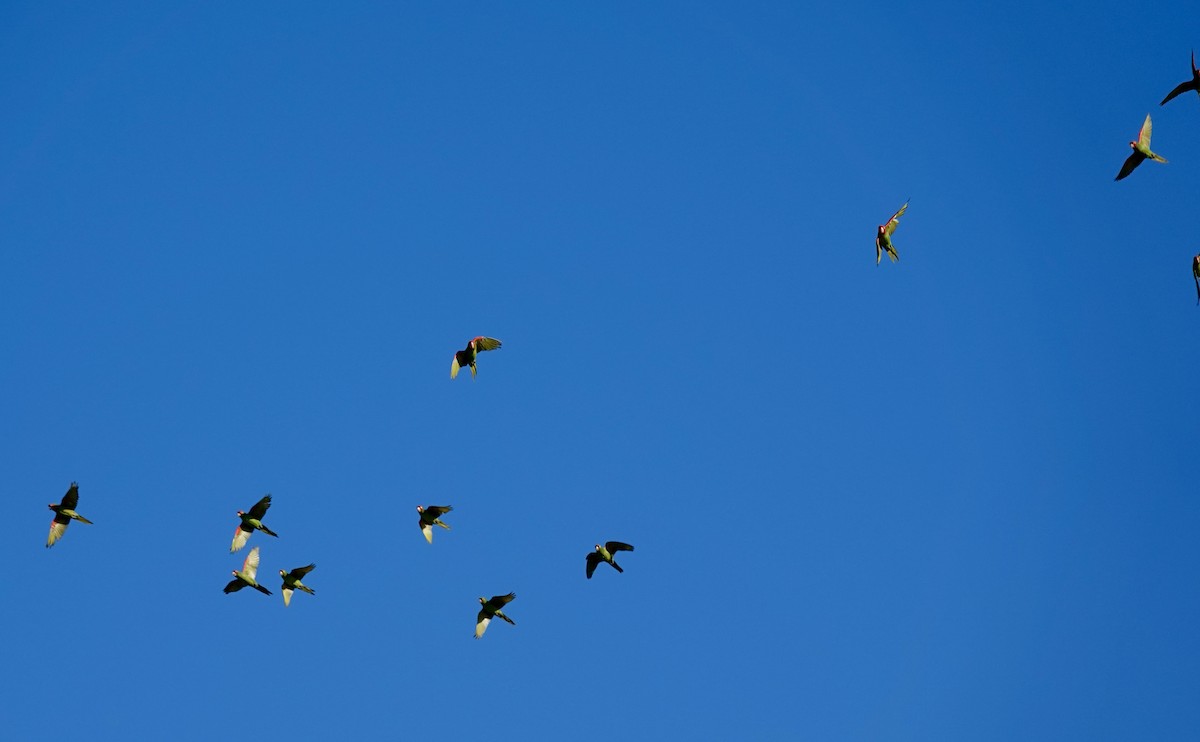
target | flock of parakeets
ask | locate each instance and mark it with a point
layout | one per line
(1141, 152)
(429, 516)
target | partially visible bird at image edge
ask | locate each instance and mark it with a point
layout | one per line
(1186, 85)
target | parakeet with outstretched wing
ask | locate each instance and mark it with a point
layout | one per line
(491, 609)
(64, 513)
(1141, 151)
(431, 515)
(245, 576)
(466, 356)
(605, 554)
(251, 522)
(883, 237)
(291, 582)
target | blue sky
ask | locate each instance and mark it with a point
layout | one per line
(945, 499)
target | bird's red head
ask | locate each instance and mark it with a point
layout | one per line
(597, 547)
(420, 509)
(1133, 145)
(241, 512)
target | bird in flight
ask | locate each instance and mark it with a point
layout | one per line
(883, 239)
(605, 554)
(491, 609)
(431, 515)
(246, 575)
(1141, 151)
(251, 522)
(64, 513)
(1196, 275)
(466, 356)
(1186, 85)
(291, 582)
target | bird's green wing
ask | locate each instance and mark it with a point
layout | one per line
(1144, 134)
(1131, 162)
(234, 585)
(895, 220)
(71, 499)
(57, 529)
(612, 546)
(299, 572)
(260, 508)
(250, 566)
(454, 366)
(482, 343)
(502, 600)
(592, 560)
(437, 511)
(481, 623)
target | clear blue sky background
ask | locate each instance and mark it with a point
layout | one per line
(947, 499)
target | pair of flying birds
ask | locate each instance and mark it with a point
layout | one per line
(431, 515)
(1141, 147)
(1142, 152)
(491, 607)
